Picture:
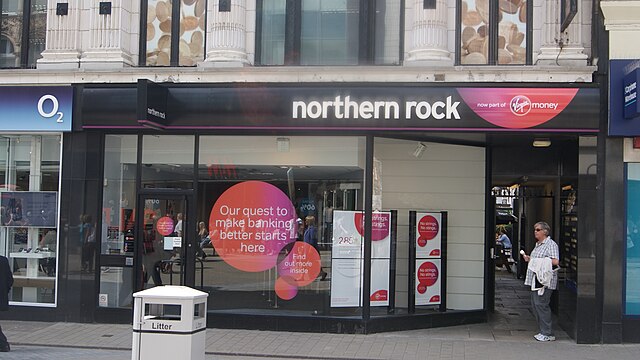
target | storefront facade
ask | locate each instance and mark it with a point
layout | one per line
(397, 139)
(390, 163)
(31, 166)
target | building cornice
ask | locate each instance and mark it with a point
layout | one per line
(359, 74)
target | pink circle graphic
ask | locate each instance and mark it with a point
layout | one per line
(380, 225)
(250, 224)
(301, 265)
(285, 289)
(428, 229)
(428, 273)
(164, 226)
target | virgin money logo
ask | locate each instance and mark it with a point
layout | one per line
(520, 105)
(509, 108)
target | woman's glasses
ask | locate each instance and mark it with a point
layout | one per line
(537, 229)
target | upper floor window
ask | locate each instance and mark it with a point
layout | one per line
(23, 26)
(494, 32)
(328, 32)
(165, 42)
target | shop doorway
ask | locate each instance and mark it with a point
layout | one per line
(163, 227)
(149, 248)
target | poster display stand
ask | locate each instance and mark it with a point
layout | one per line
(427, 259)
(347, 258)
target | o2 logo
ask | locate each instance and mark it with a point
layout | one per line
(52, 107)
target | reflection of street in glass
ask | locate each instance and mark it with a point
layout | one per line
(633, 285)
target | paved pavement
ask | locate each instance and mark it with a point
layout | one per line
(507, 336)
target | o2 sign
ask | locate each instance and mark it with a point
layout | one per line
(36, 108)
(48, 107)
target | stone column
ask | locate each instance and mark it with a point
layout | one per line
(227, 34)
(427, 36)
(62, 48)
(107, 45)
(565, 49)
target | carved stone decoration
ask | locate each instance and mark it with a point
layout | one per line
(557, 48)
(226, 35)
(428, 34)
(110, 36)
(62, 45)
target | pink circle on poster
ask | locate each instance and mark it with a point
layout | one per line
(422, 288)
(250, 223)
(428, 274)
(380, 225)
(301, 265)
(428, 228)
(164, 226)
(285, 289)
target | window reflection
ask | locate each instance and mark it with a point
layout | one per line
(29, 175)
(317, 174)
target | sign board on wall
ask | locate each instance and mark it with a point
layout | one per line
(347, 257)
(623, 105)
(397, 107)
(41, 108)
(428, 280)
(631, 104)
(428, 231)
(428, 235)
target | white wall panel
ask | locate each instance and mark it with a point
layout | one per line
(445, 177)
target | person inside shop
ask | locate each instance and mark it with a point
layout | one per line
(178, 229)
(299, 229)
(202, 240)
(48, 243)
(311, 238)
(505, 247)
(88, 238)
(6, 282)
(542, 278)
(327, 215)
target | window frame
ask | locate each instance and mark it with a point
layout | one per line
(175, 35)
(24, 33)
(492, 56)
(293, 33)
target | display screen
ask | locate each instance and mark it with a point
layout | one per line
(25, 208)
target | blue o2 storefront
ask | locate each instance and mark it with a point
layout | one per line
(31, 140)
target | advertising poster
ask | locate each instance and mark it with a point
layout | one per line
(348, 232)
(379, 282)
(428, 235)
(427, 282)
(347, 241)
(347, 254)
(346, 282)
(253, 229)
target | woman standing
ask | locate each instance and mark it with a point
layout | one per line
(203, 239)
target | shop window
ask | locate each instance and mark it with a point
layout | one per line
(22, 32)
(632, 248)
(494, 32)
(166, 42)
(167, 161)
(295, 185)
(328, 32)
(432, 178)
(29, 180)
(118, 216)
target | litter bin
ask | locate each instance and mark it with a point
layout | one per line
(169, 322)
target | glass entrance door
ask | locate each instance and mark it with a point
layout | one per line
(162, 225)
(147, 249)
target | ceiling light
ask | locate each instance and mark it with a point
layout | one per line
(283, 144)
(541, 142)
(419, 150)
